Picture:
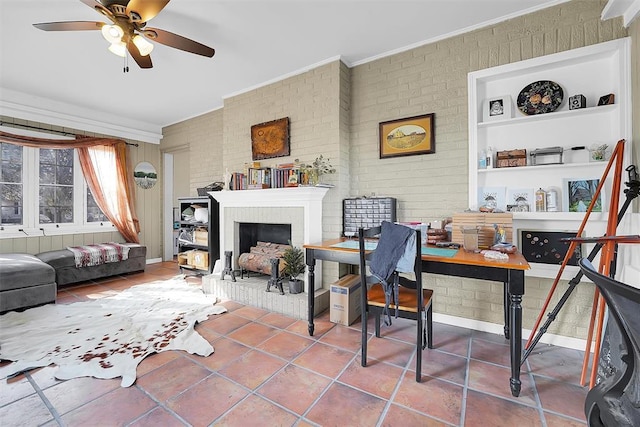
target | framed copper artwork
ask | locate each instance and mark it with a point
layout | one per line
(270, 139)
(408, 137)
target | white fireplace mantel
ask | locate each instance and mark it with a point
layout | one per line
(307, 198)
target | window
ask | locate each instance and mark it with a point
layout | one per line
(11, 189)
(43, 189)
(94, 213)
(56, 186)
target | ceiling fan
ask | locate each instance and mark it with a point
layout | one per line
(129, 31)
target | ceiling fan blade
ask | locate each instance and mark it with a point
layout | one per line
(142, 61)
(69, 26)
(144, 9)
(178, 42)
(93, 4)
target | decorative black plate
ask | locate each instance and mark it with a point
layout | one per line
(540, 97)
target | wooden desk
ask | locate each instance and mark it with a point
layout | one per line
(510, 272)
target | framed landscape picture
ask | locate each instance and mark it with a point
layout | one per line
(577, 194)
(408, 137)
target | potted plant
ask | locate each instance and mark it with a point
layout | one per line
(294, 266)
(315, 170)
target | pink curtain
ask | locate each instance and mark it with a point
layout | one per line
(104, 163)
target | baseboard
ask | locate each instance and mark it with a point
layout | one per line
(478, 325)
(154, 260)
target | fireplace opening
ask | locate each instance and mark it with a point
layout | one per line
(259, 244)
(250, 233)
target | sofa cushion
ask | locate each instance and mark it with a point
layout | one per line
(58, 258)
(22, 270)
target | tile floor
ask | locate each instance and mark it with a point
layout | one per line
(266, 370)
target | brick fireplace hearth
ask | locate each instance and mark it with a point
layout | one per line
(299, 206)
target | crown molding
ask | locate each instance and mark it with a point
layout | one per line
(628, 9)
(286, 76)
(20, 106)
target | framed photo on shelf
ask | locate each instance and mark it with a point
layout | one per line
(408, 137)
(577, 195)
(520, 200)
(496, 108)
(270, 139)
(491, 198)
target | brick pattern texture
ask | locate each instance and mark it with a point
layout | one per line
(335, 111)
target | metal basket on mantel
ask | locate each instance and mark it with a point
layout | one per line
(214, 186)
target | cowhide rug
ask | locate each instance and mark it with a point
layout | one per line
(107, 337)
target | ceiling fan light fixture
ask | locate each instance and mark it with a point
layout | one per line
(142, 44)
(118, 48)
(112, 33)
(127, 31)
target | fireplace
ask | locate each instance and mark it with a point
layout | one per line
(299, 207)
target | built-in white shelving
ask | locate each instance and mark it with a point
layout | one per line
(592, 71)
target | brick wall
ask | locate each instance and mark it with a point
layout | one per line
(203, 137)
(335, 111)
(433, 79)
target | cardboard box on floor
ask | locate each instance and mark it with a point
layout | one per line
(344, 300)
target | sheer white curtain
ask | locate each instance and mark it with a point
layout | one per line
(104, 168)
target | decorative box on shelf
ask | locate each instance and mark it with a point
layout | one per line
(577, 102)
(511, 158)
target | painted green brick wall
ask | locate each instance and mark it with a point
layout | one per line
(335, 111)
(433, 79)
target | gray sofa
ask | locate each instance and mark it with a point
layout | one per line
(66, 272)
(25, 281)
(28, 281)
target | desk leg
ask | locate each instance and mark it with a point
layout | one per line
(311, 279)
(506, 311)
(516, 290)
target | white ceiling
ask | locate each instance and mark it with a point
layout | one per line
(72, 74)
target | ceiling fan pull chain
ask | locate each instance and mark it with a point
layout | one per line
(125, 60)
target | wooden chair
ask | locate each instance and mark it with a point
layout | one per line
(615, 401)
(413, 301)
